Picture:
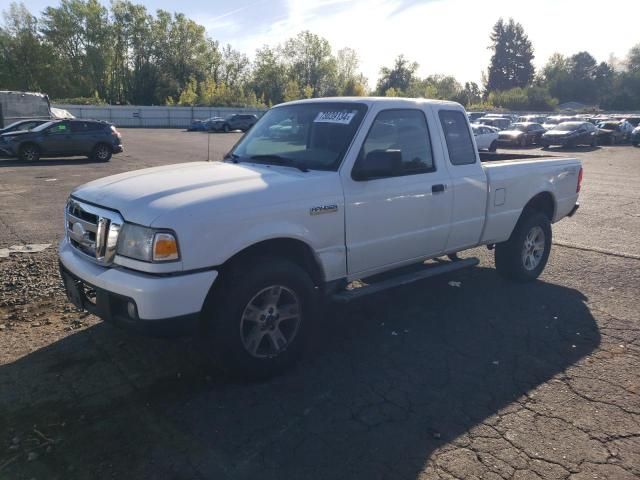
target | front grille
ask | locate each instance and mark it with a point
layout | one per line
(93, 231)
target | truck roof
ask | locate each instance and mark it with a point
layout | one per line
(391, 101)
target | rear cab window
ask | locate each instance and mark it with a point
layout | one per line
(457, 137)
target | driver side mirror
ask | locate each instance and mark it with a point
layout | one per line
(378, 164)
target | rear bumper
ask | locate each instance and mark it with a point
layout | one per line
(573, 210)
(155, 305)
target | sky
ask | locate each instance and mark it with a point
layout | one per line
(444, 36)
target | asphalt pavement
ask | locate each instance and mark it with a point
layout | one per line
(488, 379)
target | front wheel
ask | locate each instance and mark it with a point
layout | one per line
(493, 147)
(523, 257)
(256, 322)
(101, 153)
(29, 153)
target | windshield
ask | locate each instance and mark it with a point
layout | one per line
(39, 128)
(519, 127)
(307, 136)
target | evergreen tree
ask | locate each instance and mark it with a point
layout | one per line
(511, 64)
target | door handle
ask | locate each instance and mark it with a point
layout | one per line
(438, 188)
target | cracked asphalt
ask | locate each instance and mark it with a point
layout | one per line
(489, 380)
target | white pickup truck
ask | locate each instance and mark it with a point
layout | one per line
(317, 194)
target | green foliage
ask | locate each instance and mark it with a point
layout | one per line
(94, 100)
(399, 77)
(83, 52)
(512, 61)
(523, 99)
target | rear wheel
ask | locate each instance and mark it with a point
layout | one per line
(523, 257)
(29, 153)
(256, 322)
(523, 141)
(493, 147)
(101, 153)
(594, 142)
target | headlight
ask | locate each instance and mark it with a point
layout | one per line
(147, 244)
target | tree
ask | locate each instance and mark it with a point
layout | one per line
(512, 61)
(292, 91)
(25, 62)
(269, 78)
(310, 62)
(633, 59)
(399, 78)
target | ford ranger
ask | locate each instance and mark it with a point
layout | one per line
(318, 194)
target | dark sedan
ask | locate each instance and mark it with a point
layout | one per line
(91, 138)
(571, 134)
(22, 125)
(612, 132)
(234, 122)
(521, 134)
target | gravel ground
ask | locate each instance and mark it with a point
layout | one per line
(486, 380)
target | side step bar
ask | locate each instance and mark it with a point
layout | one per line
(345, 296)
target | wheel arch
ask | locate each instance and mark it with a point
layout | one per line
(288, 248)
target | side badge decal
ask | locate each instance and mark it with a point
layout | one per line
(323, 209)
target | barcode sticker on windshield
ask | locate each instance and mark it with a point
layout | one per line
(335, 117)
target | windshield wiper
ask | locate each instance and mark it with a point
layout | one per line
(280, 160)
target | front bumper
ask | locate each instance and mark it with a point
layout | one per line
(118, 149)
(157, 305)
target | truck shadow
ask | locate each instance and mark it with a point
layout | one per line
(388, 381)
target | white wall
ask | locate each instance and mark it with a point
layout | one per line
(152, 117)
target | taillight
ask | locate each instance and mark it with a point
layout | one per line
(579, 181)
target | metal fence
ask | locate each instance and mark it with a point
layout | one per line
(152, 117)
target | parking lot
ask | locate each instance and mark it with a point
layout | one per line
(486, 380)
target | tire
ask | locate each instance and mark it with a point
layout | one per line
(523, 257)
(240, 323)
(226, 128)
(101, 153)
(493, 147)
(594, 142)
(522, 142)
(29, 153)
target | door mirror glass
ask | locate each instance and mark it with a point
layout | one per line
(378, 164)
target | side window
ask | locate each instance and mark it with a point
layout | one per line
(92, 126)
(78, 127)
(456, 134)
(402, 131)
(59, 128)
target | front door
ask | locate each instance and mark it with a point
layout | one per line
(56, 139)
(404, 215)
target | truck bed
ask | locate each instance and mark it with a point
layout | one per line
(505, 157)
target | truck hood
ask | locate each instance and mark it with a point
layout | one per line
(162, 194)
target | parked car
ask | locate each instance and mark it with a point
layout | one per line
(473, 116)
(498, 122)
(612, 132)
(571, 134)
(635, 137)
(22, 125)
(486, 137)
(95, 139)
(234, 122)
(288, 225)
(203, 125)
(634, 121)
(532, 119)
(521, 134)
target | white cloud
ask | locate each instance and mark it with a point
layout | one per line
(443, 36)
